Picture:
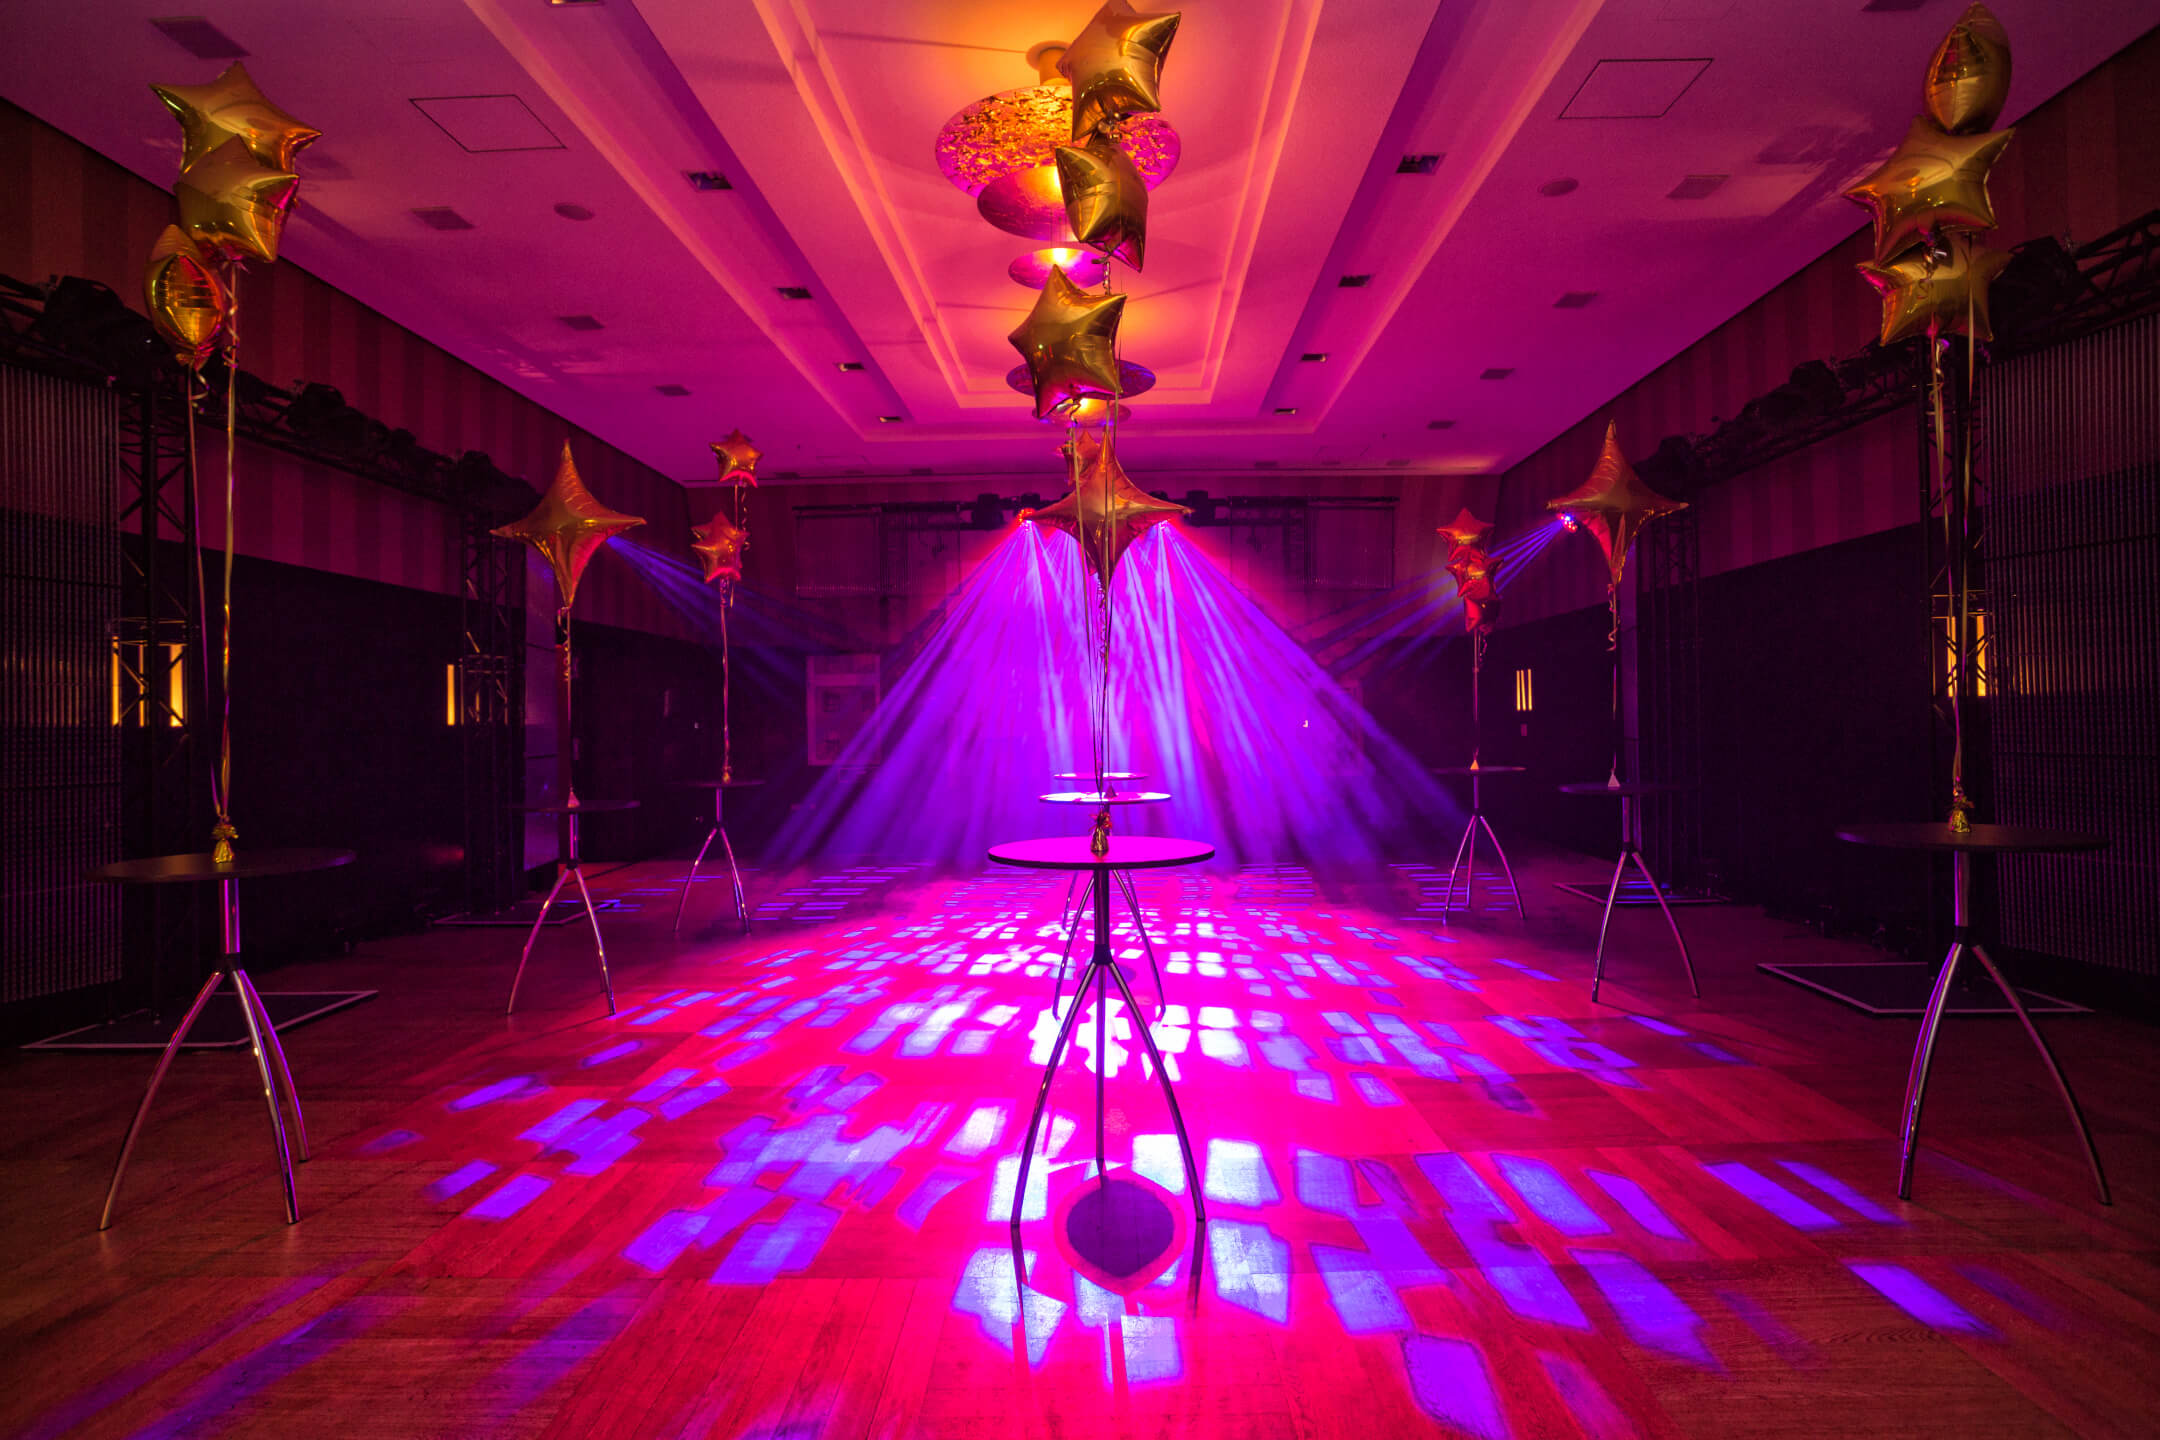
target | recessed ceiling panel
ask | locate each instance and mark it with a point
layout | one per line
(1632, 89)
(482, 124)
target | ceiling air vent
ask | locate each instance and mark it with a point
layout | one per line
(199, 38)
(673, 392)
(1573, 300)
(794, 292)
(1354, 282)
(1439, 425)
(1697, 187)
(1497, 372)
(441, 217)
(708, 180)
(848, 367)
(1313, 357)
(580, 322)
(1417, 164)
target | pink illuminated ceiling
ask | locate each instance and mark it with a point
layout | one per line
(1294, 114)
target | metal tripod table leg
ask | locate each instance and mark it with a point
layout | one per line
(719, 832)
(1961, 944)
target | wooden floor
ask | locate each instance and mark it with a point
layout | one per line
(1447, 1194)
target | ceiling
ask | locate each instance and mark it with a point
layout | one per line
(1294, 115)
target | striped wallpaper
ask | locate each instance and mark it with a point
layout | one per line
(2082, 164)
(70, 211)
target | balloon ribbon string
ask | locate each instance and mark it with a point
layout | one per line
(198, 389)
(1612, 643)
(1953, 537)
(727, 742)
(222, 833)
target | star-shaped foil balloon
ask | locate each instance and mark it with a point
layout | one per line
(1969, 79)
(231, 107)
(186, 300)
(568, 526)
(1069, 341)
(1933, 182)
(1937, 292)
(1465, 531)
(1105, 512)
(719, 545)
(1614, 504)
(1474, 573)
(1105, 199)
(738, 459)
(1115, 65)
(228, 201)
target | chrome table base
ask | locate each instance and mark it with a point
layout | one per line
(1962, 944)
(1629, 854)
(1069, 918)
(1466, 865)
(277, 1081)
(718, 830)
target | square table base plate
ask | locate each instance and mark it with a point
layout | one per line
(1894, 987)
(220, 1026)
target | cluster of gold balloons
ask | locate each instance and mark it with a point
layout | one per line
(720, 541)
(1613, 505)
(1930, 197)
(1069, 339)
(236, 187)
(1476, 572)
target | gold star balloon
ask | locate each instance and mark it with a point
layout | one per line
(738, 459)
(1934, 181)
(1115, 65)
(1614, 504)
(1968, 81)
(230, 202)
(1069, 341)
(1105, 199)
(1105, 512)
(568, 526)
(1465, 531)
(231, 107)
(719, 545)
(1937, 292)
(185, 298)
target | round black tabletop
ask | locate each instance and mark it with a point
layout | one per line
(1479, 769)
(1106, 775)
(582, 807)
(1127, 852)
(718, 784)
(1112, 797)
(246, 865)
(1625, 790)
(1980, 840)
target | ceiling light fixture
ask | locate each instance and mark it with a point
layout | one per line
(200, 38)
(1497, 372)
(673, 392)
(794, 292)
(1418, 164)
(569, 211)
(1554, 189)
(847, 367)
(1084, 268)
(708, 180)
(581, 322)
(1313, 357)
(888, 419)
(1286, 410)
(441, 217)
(1354, 282)
(1439, 425)
(1575, 300)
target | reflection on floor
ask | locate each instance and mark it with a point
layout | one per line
(1445, 1194)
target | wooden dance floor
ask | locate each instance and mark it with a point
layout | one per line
(1446, 1194)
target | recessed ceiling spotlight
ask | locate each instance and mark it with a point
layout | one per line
(1497, 372)
(889, 419)
(441, 217)
(1417, 164)
(1313, 357)
(673, 392)
(1439, 425)
(581, 322)
(1354, 282)
(1554, 189)
(708, 180)
(1697, 187)
(847, 367)
(794, 292)
(1575, 300)
(1286, 410)
(569, 211)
